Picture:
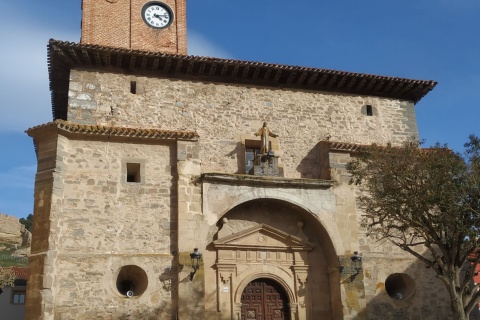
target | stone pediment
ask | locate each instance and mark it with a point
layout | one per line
(263, 237)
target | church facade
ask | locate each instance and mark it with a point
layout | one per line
(178, 187)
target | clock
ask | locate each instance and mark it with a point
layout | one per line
(157, 15)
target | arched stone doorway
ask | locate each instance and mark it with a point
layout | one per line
(264, 299)
(272, 239)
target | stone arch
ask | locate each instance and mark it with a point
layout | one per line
(316, 273)
(305, 200)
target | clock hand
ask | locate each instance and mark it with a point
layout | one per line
(159, 16)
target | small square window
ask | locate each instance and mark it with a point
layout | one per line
(133, 87)
(133, 172)
(369, 110)
(18, 296)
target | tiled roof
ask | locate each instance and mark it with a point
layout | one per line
(343, 146)
(100, 130)
(21, 273)
(66, 55)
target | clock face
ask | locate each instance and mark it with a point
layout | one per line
(157, 15)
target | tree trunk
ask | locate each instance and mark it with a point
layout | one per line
(457, 302)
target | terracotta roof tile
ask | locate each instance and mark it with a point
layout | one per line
(344, 146)
(100, 130)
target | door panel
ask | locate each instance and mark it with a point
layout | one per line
(264, 299)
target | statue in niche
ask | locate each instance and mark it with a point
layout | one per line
(264, 134)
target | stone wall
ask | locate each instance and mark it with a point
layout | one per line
(226, 115)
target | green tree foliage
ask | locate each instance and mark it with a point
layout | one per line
(7, 277)
(426, 197)
(27, 222)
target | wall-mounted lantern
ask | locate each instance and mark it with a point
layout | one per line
(196, 257)
(356, 261)
(353, 268)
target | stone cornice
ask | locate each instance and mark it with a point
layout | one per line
(262, 181)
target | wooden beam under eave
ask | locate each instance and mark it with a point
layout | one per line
(361, 85)
(370, 84)
(245, 72)
(322, 80)
(224, 69)
(133, 59)
(98, 60)
(291, 77)
(213, 68)
(379, 86)
(144, 62)
(108, 58)
(178, 67)
(312, 78)
(406, 88)
(190, 67)
(266, 76)
(341, 82)
(278, 74)
(255, 73)
(86, 56)
(332, 81)
(155, 63)
(350, 83)
(119, 60)
(235, 70)
(167, 65)
(302, 77)
(73, 54)
(201, 70)
(60, 52)
(397, 87)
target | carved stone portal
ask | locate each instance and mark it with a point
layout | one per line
(261, 252)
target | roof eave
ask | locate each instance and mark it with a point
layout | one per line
(64, 56)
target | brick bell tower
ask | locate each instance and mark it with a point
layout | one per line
(158, 26)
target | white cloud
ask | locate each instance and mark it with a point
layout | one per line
(25, 95)
(198, 45)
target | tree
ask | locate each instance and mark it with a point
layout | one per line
(7, 277)
(426, 197)
(27, 222)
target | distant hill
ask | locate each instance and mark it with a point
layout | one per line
(14, 242)
(11, 230)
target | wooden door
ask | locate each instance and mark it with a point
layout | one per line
(264, 299)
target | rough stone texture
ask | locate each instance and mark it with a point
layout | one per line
(90, 222)
(99, 223)
(226, 115)
(11, 230)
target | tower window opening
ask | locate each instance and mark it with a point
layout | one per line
(369, 110)
(133, 87)
(133, 172)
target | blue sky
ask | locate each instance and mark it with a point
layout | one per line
(420, 39)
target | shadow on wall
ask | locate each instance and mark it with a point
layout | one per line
(397, 290)
(309, 167)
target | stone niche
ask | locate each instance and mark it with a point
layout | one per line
(260, 251)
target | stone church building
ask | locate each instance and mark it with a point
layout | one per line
(181, 187)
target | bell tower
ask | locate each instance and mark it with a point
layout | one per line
(157, 26)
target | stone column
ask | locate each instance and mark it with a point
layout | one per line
(300, 273)
(224, 290)
(191, 293)
(237, 311)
